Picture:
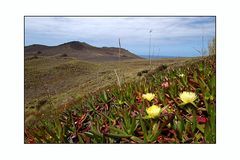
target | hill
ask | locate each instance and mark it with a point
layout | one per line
(59, 79)
(80, 50)
(35, 48)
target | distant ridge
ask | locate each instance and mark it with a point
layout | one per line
(36, 47)
(80, 50)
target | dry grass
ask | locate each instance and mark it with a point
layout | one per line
(51, 82)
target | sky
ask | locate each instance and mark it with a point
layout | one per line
(170, 36)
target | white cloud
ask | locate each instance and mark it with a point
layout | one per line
(104, 31)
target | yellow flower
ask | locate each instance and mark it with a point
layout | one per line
(181, 75)
(120, 102)
(188, 97)
(148, 96)
(153, 111)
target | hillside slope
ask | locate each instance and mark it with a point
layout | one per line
(121, 114)
(81, 51)
(62, 78)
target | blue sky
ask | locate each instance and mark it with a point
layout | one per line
(171, 36)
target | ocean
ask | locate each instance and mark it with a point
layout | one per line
(157, 57)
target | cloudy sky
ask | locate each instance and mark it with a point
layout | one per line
(170, 36)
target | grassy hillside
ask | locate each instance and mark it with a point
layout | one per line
(52, 82)
(124, 114)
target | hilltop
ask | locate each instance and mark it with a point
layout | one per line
(80, 50)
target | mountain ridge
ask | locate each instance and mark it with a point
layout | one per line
(80, 50)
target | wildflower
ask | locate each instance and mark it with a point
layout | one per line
(181, 75)
(148, 96)
(153, 111)
(165, 84)
(188, 97)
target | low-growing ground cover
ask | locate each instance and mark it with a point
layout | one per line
(173, 104)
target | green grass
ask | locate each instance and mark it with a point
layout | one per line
(118, 115)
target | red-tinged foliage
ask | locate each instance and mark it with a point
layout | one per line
(139, 99)
(202, 119)
(105, 128)
(103, 119)
(31, 141)
(106, 107)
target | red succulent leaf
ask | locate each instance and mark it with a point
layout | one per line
(106, 106)
(139, 99)
(31, 141)
(202, 119)
(193, 83)
(119, 125)
(105, 128)
(79, 121)
(134, 114)
(97, 108)
(160, 139)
